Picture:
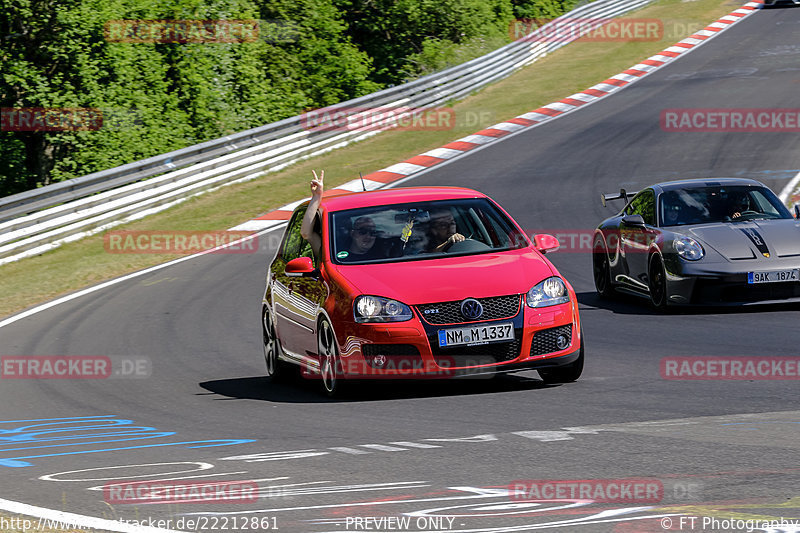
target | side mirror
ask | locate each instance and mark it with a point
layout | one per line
(546, 243)
(797, 211)
(302, 267)
(635, 221)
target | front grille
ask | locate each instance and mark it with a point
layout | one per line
(450, 312)
(486, 354)
(544, 341)
(398, 356)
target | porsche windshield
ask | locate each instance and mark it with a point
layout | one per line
(402, 232)
(702, 205)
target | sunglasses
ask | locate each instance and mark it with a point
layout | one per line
(366, 231)
(444, 224)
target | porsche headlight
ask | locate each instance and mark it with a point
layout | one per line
(552, 291)
(689, 248)
(377, 309)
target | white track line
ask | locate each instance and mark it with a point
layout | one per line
(95, 288)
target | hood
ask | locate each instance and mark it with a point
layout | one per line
(451, 278)
(752, 239)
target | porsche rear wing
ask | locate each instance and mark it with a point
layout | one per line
(622, 195)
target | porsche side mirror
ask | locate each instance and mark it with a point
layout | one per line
(797, 211)
(546, 243)
(301, 267)
(635, 221)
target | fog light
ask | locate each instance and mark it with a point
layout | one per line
(379, 360)
(562, 341)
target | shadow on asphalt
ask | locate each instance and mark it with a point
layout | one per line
(626, 304)
(295, 389)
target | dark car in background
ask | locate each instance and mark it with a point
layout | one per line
(719, 241)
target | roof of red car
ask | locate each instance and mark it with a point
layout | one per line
(353, 200)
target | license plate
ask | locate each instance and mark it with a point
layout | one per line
(773, 276)
(482, 334)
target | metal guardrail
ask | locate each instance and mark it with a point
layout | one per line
(41, 219)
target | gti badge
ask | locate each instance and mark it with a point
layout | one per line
(471, 309)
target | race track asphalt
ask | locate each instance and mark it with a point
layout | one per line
(434, 449)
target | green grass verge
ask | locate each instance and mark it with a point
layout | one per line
(571, 69)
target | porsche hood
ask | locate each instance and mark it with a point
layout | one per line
(750, 240)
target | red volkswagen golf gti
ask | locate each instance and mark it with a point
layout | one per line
(410, 283)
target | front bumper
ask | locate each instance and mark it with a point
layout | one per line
(411, 349)
(726, 284)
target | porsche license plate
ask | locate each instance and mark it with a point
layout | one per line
(482, 334)
(773, 276)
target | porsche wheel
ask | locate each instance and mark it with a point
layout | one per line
(602, 269)
(657, 280)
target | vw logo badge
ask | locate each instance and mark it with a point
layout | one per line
(471, 309)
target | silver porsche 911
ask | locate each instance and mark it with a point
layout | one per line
(718, 241)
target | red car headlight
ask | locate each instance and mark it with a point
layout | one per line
(552, 291)
(377, 309)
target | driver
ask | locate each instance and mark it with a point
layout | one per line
(740, 205)
(442, 231)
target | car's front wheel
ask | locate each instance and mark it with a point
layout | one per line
(565, 373)
(330, 367)
(276, 369)
(657, 281)
(602, 269)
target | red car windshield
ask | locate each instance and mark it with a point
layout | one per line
(426, 230)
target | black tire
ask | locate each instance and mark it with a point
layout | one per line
(330, 366)
(564, 374)
(657, 281)
(276, 369)
(602, 269)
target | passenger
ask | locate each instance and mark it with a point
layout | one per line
(443, 232)
(307, 227)
(362, 234)
(362, 240)
(672, 215)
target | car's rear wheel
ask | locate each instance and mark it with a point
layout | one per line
(602, 269)
(276, 369)
(657, 281)
(566, 373)
(330, 367)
